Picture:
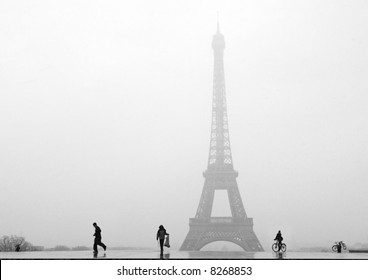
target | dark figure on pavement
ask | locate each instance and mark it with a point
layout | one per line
(98, 237)
(339, 246)
(161, 233)
(17, 248)
(279, 239)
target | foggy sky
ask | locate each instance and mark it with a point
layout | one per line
(105, 113)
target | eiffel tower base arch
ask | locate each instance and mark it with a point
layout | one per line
(215, 229)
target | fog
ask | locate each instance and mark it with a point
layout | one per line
(105, 114)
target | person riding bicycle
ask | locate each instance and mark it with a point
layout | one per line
(279, 239)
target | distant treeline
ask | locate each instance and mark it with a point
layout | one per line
(66, 248)
(85, 248)
(356, 246)
(11, 243)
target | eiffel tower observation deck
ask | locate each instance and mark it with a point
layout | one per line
(220, 175)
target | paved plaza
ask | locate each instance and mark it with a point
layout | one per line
(180, 255)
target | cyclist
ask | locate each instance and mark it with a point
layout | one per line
(279, 239)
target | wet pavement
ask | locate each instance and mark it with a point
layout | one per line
(181, 255)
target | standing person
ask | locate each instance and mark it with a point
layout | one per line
(97, 241)
(17, 247)
(279, 239)
(161, 233)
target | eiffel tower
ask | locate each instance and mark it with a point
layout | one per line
(220, 175)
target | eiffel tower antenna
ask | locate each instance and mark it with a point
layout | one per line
(220, 175)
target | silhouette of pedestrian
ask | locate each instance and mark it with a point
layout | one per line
(161, 233)
(17, 247)
(97, 241)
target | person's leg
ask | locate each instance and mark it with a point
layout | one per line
(162, 245)
(102, 245)
(95, 245)
(99, 243)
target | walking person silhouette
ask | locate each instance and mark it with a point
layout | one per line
(161, 233)
(98, 238)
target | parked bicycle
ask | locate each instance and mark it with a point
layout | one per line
(276, 247)
(338, 244)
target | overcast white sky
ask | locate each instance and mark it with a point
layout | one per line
(105, 110)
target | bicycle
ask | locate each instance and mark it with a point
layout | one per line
(341, 244)
(276, 247)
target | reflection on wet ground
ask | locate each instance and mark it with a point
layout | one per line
(181, 255)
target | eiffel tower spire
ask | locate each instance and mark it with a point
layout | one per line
(220, 152)
(220, 175)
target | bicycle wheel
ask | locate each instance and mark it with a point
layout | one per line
(283, 247)
(275, 247)
(334, 248)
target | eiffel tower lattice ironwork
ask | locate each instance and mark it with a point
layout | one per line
(220, 175)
